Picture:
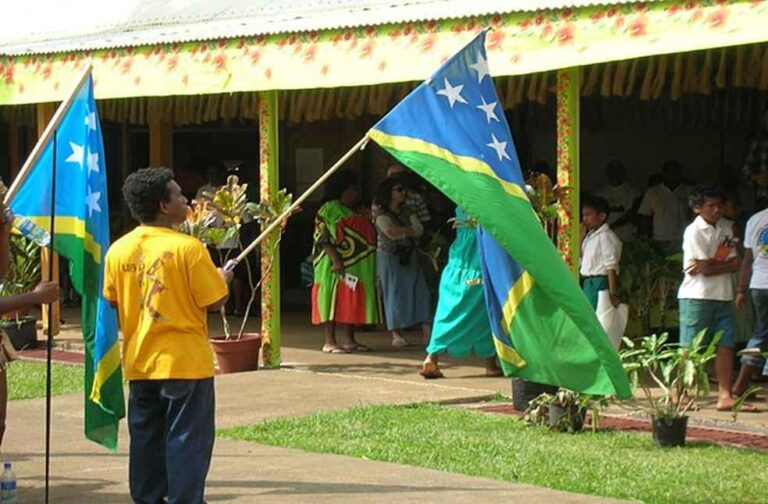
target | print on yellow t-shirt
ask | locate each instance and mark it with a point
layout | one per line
(162, 281)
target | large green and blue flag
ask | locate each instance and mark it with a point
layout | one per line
(453, 132)
(81, 235)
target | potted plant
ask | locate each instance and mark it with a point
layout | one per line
(648, 278)
(679, 373)
(565, 410)
(216, 219)
(23, 275)
(545, 199)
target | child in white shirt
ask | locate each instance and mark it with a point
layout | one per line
(600, 252)
(706, 294)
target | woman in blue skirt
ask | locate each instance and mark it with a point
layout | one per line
(461, 323)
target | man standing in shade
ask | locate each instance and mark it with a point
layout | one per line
(162, 283)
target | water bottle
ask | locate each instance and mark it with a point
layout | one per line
(29, 229)
(8, 492)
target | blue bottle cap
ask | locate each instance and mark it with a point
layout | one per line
(7, 465)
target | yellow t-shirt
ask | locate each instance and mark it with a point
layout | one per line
(162, 281)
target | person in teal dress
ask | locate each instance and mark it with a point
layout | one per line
(461, 324)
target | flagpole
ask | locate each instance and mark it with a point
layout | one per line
(37, 151)
(279, 220)
(49, 339)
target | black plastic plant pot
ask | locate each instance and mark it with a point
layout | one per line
(21, 332)
(669, 431)
(575, 417)
(523, 392)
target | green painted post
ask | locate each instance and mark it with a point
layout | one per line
(270, 250)
(568, 124)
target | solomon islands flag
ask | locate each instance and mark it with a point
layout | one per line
(453, 132)
(82, 236)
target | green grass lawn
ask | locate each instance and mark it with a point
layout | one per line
(502, 447)
(26, 380)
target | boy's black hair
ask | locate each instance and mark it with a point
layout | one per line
(598, 204)
(700, 194)
(338, 183)
(144, 190)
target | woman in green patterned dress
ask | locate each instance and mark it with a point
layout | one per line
(344, 260)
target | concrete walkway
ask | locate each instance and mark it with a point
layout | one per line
(242, 472)
(310, 382)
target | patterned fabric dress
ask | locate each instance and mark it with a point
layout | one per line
(461, 322)
(355, 239)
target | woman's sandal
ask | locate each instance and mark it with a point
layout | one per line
(356, 347)
(430, 371)
(334, 349)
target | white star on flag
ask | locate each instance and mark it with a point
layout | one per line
(481, 67)
(90, 119)
(453, 93)
(92, 201)
(78, 154)
(93, 162)
(499, 147)
(488, 109)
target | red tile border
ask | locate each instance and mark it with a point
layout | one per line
(711, 435)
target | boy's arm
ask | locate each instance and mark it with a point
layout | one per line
(711, 267)
(744, 278)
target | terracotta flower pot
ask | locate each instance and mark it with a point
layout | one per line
(237, 355)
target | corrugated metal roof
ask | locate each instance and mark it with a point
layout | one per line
(51, 26)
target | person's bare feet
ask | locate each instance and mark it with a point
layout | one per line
(492, 369)
(728, 404)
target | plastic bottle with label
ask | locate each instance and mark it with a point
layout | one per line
(29, 229)
(8, 492)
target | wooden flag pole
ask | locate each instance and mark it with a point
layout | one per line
(277, 222)
(37, 151)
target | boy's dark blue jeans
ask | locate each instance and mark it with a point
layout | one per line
(171, 423)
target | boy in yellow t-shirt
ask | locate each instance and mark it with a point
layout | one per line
(162, 283)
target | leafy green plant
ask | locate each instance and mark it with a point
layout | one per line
(23, 268)
(648, 278)
(575, 405)
(217, 219)
(680, 373)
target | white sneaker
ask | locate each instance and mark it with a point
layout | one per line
(751, 352)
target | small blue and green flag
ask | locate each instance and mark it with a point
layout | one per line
(81, 235)
(452, 131)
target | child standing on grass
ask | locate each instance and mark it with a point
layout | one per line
(706, 294)
(600, 252)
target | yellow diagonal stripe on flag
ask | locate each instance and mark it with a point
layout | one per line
(465, 163)
(104, 370)
(71, 226)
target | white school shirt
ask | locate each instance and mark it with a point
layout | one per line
(600, 251)
(669, 210)
(756, 238)
(700, 242)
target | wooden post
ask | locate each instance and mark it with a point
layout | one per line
(44, 115)
(160, 143)
(568, 101)
(270, 250)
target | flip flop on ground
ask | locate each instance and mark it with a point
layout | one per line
(356, 347)
(334, 349)
(430, 371)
